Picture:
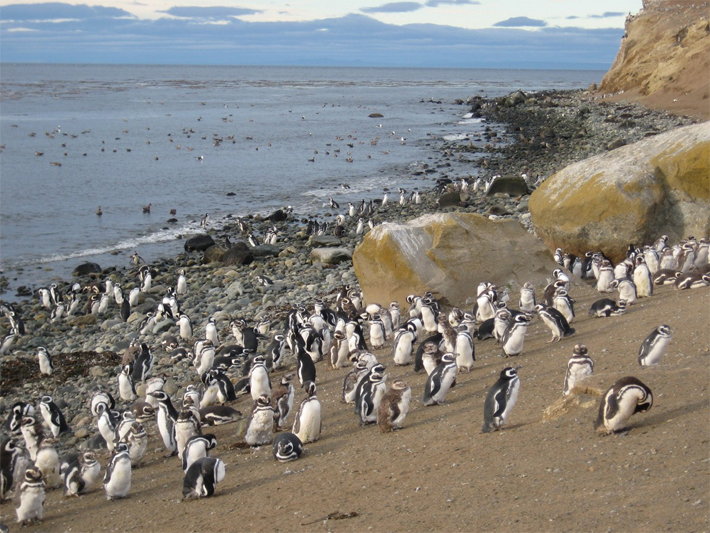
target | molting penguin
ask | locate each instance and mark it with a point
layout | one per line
(287, 447)
(394, 406)
(500, 400)
(48, 462)
(260, 428)
(527, 298)
(642, 278)
(441, 379)
(117, 478)
(283, 399)
(186, 426)
(308, 423)
(202, 477)
(626, 288)
(625, 398)
(655, 346)
(31, 497)
(579, 367)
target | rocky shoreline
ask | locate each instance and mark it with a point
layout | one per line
(536, 134)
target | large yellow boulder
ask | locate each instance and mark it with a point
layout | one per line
(448, 254)
(630, 195)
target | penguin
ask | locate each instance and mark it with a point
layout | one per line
(527, 298)
(259, 382)
(211, 331)
(351, 381)
(186, 426)
(32, 497)
(579, 367)
(99, 397)
(45, 298)
(202, 477)
(514, 337)
(369, 393)
(626, 288)
(147, 324)
(143, 411)
(48, 462)
(307, 425)
(33, 433)
(378, 335)
(166, 418)
(625, 398)
(605, 277)
(402, 347)
(53, 417)
(339, 350)
(665, 276)
(287, 447)
(642, 278)
(430, 356)
(217, 415)
(205, 358)
(137, 440)
(306, 368)
(553, 319)
(197, 447)
(12, 462)
(283, 399)
(7, 341)
(117, 478)
(485, 308)
(448, 333)
(124, 425)
(126, 387)
(500, 400)
(606, 307)
(654, 346)
(181, 285)
(107, 422)
(564, 304)
(154, 384)
(692, 280)
(90, 469)
(17, 412)
(429, 315)
(394, 406)
(143, 364)
(440, 380)
(274, 352)
(260, 428)
(45, 361)
(465, 351)
(70, 471)
(501, 322)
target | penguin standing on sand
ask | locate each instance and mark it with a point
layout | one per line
(626, 288)
(53, 417)
(306, 368)
(287, 447)
(31, 497)
(259, 382)
(197, 447)
(500, 400)
(579, 367)
(166, 418)
(369, 394)
(527, 298)
(308, 423)
(553, 319)
(202, 477)
(465, 351)
(186, 426)
(625, 398)
(564, 304)
(643, 278)
(394, 406)
(352, 380)
(283, 398)
(260, 428)
(441, 379)
(402, 347)
(117, 478)
(655, 346)
(514, 338)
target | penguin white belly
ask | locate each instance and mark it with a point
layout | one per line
(377, 338)
(515, 342)
(310, 422)
(605, 278)
(210, 396)
(343, 352)
(403, 409)
(48, 462)
(259, 383)
(557, 332)
(137, 449)
(261, 429)
(563, 307)
(464, 353)
(654, 356)
(428, 320)
(575, 373)
(403, 351)
(627, 406)
(448, 377)
(511, 398)
(120, 483)
(125, 390)
(429, 363)
(31, 504)
(643, 282)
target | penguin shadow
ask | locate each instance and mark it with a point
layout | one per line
(665, 416)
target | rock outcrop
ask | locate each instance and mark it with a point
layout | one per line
(630, 195)
(448, 254)
(663, 61)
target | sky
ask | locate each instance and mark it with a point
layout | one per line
(425, 33)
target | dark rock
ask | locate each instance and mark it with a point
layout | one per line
(449, 199)
(266, 250)
(85, 269)
(278, 216)
(324, 240)
(512, 185)
(23, 290)
(213, 254)
(375, 115)
(199, 243)
(616, 143)
(238, 254)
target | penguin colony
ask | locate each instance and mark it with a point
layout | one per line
(315, 338)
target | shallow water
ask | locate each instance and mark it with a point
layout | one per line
(183, 138)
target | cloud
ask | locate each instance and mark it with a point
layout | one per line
(437, 3)
(215, 12)
(608, 14)
(518, 22)
(394, 7)
(59, 11)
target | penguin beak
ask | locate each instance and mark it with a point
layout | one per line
(518, 367)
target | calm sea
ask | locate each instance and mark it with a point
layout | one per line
(76, 137)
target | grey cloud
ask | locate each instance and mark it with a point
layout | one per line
(394, 7)
(56, 11)
(517, 22)
(437, 3)
(608, 14)
(215, 12)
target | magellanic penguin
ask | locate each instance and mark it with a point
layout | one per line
(564, 304)
(126, 388)
(643, 278)
(202, 477)
(553, 319)
(465, 351)
(48, 462)
(260, 428)
(186, 426)
(53, 417)
(655, 346)
(500, 400)
(33, 433)
(441, 379)
(137, 440)
(218, 415)
(283, 399)
(143, 364)
(514, 338)
(692, 280)
(626, 397)
(287, 447)
(402, 347)
(259, 382)
(527, 298)
(166, 418)
(394, 406)
(45, 361)
(351, 381)
(626, 288)
(579, 367)
(197, 447)
(306, 368)
(17, 412)
(117, 478)
(606, 308)
(369, 393)
(99, 397)
(308, 423)
(31, 497)
(339, 350)
(605, 277)
(13, 461)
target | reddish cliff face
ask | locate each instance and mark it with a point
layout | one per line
(664, 58)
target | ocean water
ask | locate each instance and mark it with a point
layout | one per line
(213, 139)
